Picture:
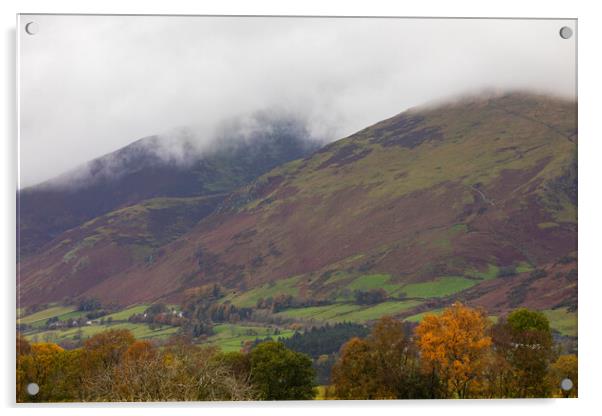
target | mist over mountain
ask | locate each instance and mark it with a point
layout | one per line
(145, 77)
(161, 166)
(471, 200)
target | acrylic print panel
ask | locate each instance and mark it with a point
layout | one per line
(286, 208)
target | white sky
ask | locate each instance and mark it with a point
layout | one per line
(92, 84)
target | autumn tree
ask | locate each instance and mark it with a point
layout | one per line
(23, 346)
(238, 363)
(281, 374)
(353, 375)
(136, 376)
(396, 359)
(179, 372)
(453, 347)
(524, 340)
(498, 375)
(53, 369)
(565, 367)
(107, 348)
(382, 366)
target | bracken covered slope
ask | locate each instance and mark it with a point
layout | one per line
(478, 196)
(117, 211)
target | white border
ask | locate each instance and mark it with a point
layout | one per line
(590, 212)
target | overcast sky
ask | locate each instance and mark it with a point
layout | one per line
(92, 84)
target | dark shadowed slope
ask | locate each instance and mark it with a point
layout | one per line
(474, 200)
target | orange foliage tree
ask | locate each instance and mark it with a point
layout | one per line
(354, 374)
(453, 346)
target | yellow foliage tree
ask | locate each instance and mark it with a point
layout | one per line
(53, 369)
(565, 367)
(454, 346)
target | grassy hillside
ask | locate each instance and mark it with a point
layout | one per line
(452, 194)
(473, 200)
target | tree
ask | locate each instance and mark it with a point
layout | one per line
(237, 362)
(565, 367)
(324, 340)
(397, 361)
(140, 351)
(354, 374)
(105, 350)
(370, 297)
(113, 367)
(524, 340)
(281, 374)
(156, 309)
(453, 347)
(23, 346)
(53, 369)
(88, 304)
(179, 372)
(498, 375)
(382, 366)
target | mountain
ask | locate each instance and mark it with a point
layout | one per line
(116, 211)
(151, 168)
(472, 200)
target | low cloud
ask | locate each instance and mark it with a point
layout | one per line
(92, 84)
(245, 135)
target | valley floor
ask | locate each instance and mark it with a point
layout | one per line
(233, 336)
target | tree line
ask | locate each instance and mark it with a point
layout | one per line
(114, 366)
(457, 354)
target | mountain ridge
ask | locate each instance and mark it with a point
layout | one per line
(444, 194)
(141, 171)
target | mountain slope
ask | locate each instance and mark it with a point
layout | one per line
(119, 210)
(473, 200)
(150, 168)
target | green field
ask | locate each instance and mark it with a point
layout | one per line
(249, 298)
(491, 272)
(230, 337)
(337, 277)
(72, 315)
(563, 321)
(418, 317)
(139, 330)
(321, 313)
(374, 312)
(373, 281)
(62, 317)
(64, 313)
(442, 286)
(524, 267)
(38, 320)
(126, 313)
(46, 314)
(341, 312)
